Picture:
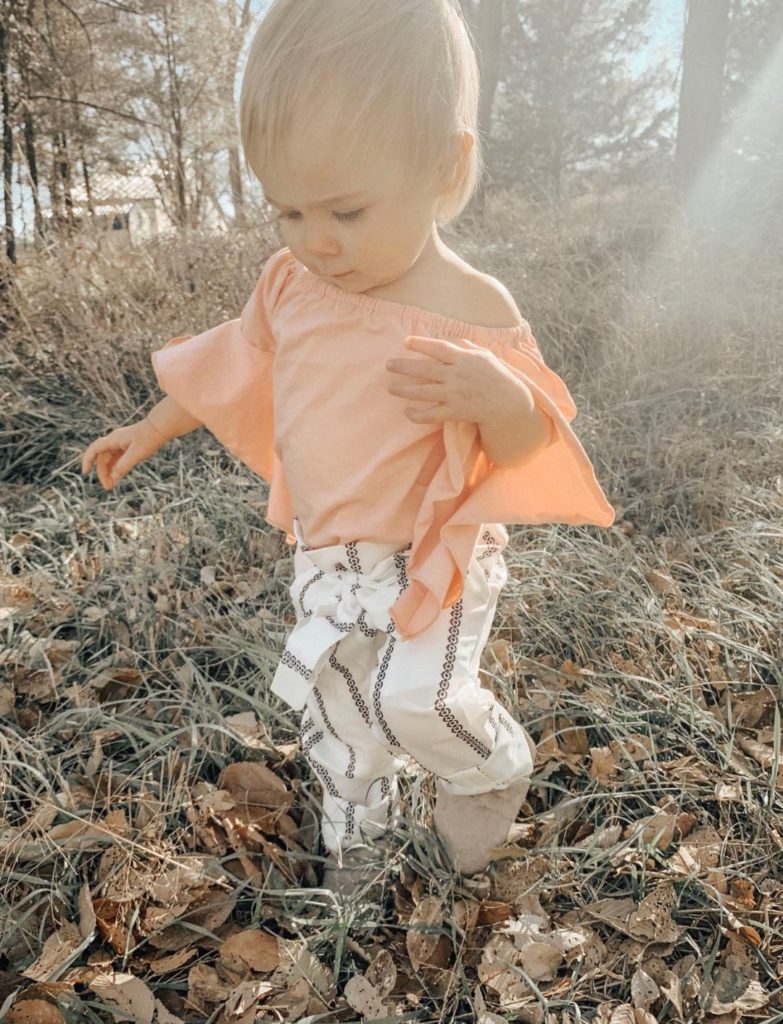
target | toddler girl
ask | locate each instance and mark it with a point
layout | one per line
(398, 405)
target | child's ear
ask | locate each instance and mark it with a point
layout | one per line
(467, 142)
(459, 163)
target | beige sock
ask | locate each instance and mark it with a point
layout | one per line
(471, 826)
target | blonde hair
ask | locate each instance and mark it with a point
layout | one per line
(404, 73)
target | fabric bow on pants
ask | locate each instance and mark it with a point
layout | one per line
(372, 699)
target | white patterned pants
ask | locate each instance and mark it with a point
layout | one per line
(374, 697)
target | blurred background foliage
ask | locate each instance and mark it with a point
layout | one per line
(122, 115)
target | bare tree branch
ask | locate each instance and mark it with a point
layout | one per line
(96, 106)
(77, 19)
(118, 7)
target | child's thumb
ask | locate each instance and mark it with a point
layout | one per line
(121, 467)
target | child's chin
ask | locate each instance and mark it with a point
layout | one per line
(348, 282)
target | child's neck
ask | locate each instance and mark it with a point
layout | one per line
(436, 269)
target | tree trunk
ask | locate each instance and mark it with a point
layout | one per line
(64, 175)
(63, 178)
(235, 178)
(32, 167)
(700, 112)
(8, 148)
(77, 123)
(234, 163)
(182, 212)
(55, 193)
(29, 124)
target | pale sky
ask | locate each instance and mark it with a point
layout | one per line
(665, 27)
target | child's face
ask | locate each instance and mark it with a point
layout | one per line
(368, 239)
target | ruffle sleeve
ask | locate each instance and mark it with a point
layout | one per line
(555, 484)
(224, 378)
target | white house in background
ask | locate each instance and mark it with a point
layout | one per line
(128, 205)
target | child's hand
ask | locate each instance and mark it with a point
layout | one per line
(115, 454)
(460, 380)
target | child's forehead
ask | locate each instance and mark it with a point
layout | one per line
(322, 152)
(305, 174)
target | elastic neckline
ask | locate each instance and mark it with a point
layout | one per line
(374, 304)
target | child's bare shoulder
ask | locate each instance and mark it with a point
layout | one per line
(493, 303)
(456, 290)
(480, 298)
(477, 298)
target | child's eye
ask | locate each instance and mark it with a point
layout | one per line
(348, 215)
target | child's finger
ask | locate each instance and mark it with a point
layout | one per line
(434, 348)
(121, 467)
(100, 466)
(438, 348)
(436, 413)
(104, 465)
(89, 457)
(423, 369)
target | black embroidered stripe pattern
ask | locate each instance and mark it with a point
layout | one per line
(450, 720)
(492, 548)
(402, 579)
(302, 547)
(504, 722)
(352, 753)
(402, 576)
(353, 556)
(386, 797)
(307, 723)
(344, 627)
(495, 725)
(492, 545)
(319, 575)
(288, 659)
(350, 819)
(376, 693)
(368, 631)
(358, 700)
(319, 769)
(320, 701)
(325, 777)
(311, 741)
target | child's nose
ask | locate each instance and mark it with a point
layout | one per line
(320, 241)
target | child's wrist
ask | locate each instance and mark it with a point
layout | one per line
(158, 430)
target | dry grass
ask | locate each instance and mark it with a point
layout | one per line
(141, 629)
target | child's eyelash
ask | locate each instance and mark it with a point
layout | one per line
(348, 215)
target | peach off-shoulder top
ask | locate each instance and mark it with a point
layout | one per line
(296, 387)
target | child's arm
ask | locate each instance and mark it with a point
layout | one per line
(117, 453)
(223, 377)
(171, 420)
(516, 428)
(472, 384)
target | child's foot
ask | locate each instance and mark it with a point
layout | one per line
(472, 825)
(361, 865)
